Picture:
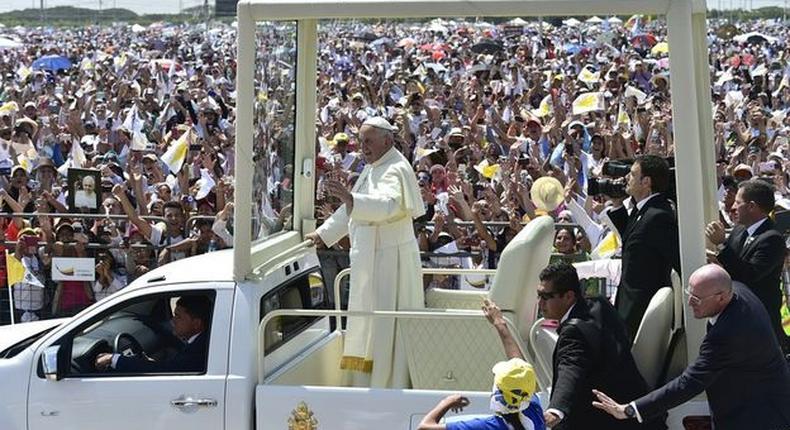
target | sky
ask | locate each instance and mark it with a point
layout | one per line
(171, 6)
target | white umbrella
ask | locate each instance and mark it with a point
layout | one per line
(615, 20)
(9, 44)
(594, 20)
(517, 21)
(571, 22)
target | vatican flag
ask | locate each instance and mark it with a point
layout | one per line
(588, 77)
(588, 102)
(177, 153)
(622, 117)
(545, 109)
(488, 171)
(15, 270)
(607, 247)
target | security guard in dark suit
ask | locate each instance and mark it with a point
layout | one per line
(740, 365)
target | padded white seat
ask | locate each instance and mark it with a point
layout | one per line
(652, 339)
(459, 354)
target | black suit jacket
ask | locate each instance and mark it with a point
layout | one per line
(191, 358)
(650, 252)
(758, 265)
(740, 367)
(593, 351)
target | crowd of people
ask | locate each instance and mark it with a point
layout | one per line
(500, 122)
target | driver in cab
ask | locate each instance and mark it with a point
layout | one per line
(190, 323)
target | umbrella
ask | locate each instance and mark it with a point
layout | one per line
(486, 46)
(644, 40)
(660, 48)
(571, 22)
(594, 20)
(572, 48)
(366, 36)
(727, 31)
(407, 42)
(438, 28)
(754, 38)
(436, 67)
(615, 20)
(9, 44)
(381, 41)
(431, 47)
(517, 21)
(52, 63)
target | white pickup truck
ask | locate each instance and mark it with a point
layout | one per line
(266, 370)
(50, 382)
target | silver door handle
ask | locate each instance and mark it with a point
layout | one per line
(185, 402)
(49, 413)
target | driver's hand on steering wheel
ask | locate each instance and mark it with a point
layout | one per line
(103, 361)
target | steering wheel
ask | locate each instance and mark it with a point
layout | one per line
(125, 344)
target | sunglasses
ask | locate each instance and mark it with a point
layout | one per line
(697, 300)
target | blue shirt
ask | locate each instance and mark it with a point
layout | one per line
(534, 414)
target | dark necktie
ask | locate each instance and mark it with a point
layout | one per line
(632, 216)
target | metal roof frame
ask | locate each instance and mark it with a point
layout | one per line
(689, 81)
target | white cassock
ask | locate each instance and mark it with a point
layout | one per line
(385, 266)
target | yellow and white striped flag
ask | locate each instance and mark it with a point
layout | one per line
(588, 102)
(177, 153)
(9, 108)
(588, 77)
(545, 109)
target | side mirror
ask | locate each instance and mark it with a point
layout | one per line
(49, 362)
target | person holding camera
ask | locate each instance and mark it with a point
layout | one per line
(649, 232)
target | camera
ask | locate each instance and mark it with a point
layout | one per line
(617, 168)
(610, 187)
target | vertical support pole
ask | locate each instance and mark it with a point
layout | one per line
(690, 171)
(242, 197)
(306, 87)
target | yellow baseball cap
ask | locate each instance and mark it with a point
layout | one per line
(516, 381)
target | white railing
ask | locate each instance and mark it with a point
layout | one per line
(417, 314)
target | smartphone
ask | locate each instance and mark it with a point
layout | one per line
(195, 147)
(5, 171)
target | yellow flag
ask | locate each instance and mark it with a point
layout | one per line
(545, 108)
(488, 171)
(14, 269)
(607, 247)
(588, 102)
(177, 153)
(9, 108)
(622, 117)
(589, 77)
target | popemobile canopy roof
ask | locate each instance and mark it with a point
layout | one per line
(317, 9)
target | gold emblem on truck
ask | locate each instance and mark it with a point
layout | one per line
(302, 418)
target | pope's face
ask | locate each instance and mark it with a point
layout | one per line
(373, 143)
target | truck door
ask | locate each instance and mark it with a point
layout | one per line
(155, 381)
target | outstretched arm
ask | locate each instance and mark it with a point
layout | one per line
(494, 316)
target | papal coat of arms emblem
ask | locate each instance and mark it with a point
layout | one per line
(302, 418)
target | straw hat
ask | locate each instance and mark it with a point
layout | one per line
(547, 193)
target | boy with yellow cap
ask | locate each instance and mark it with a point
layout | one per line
(513, 400)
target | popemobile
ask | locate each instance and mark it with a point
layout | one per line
(274, 342)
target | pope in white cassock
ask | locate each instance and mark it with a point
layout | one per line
(377, 215)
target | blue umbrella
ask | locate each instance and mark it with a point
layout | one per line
(573, 48)
(52, 63)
